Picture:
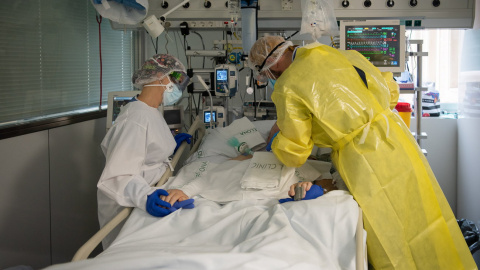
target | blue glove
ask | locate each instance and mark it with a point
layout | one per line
(181, 137)
(269, 145)
(314, 192)
(187, 204)
(154, 204)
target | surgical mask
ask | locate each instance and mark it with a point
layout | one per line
(171, 94)
(170, 97)
(272, 82)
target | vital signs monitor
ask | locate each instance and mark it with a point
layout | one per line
(382, 42)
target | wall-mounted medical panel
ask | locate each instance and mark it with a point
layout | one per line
(287, 14)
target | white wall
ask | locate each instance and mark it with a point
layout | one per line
(48, 203)
(24, 203)
(468, 187)
(441, 146)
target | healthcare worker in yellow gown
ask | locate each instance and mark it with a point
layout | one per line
(334, 98)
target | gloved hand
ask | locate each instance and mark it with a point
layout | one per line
(187, 204)
(314, 192)
(154, 204)
(269, 145)
(180, 137)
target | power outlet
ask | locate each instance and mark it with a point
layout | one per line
(287, 4)
(205, 24)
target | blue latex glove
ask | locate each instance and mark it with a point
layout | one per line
(181, 137)
(187, 204)
(269, 145)
(154, 204)
(314, 192)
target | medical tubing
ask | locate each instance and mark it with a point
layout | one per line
(210, 95)
(203, 45)
(254, 100)
(211, 110)
(99, 21)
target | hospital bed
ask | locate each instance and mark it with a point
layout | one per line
(324, 233)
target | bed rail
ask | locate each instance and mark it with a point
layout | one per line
(361, 255)
(87, 248)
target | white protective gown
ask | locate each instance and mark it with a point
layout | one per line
(136, 148)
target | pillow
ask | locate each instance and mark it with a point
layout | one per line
(215, 147)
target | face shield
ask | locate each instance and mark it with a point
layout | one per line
(264, 54)
(179, 78)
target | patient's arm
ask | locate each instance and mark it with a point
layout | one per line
(326, 184)
(273, 130)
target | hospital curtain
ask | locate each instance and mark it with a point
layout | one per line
(49, 55)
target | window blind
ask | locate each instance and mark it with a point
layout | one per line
(49, 54)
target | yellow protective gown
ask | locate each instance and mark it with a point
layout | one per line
(321, 100)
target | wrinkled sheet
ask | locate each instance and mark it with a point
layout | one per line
(247, 234)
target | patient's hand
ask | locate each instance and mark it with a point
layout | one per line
(174, 195)
(310, 192)
(242, 157)
(306, 187)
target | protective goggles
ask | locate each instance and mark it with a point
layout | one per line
(179, 78)
(261, 69)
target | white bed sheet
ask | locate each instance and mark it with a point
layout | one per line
(248, 234)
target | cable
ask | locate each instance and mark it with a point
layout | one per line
(153, 44)
(292, 35)
(166, 43)
(199, 98)
(184, 49)
(176, 44)
(99, 21)
(203, 45)
(256, 22)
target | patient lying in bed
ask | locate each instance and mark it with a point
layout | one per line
(262, 176)
(254, 178)
(237, 224)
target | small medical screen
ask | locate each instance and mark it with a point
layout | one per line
(207, 116)
(380, 44)
(118, 103)
(222, 75)
(173, 117)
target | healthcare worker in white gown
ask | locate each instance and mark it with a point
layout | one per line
(138, 145)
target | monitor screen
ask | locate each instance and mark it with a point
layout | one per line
(118, 103)
(381, 42)
(222, 75)
(172, 117)
(116, 100)
(207, 116)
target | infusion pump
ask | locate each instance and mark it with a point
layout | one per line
(214, 117)
(226, 80)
